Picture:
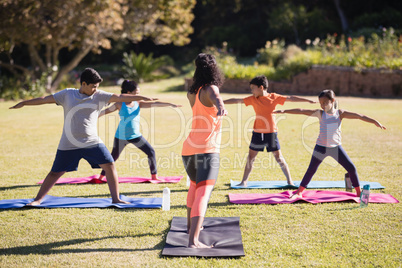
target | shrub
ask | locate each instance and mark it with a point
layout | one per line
(374, 52)
(272, 53)
(12, 88)
(142, 68)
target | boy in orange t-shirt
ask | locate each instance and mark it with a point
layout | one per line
(265, 130)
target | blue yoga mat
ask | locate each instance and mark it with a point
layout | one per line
(73, 202)
(311, 185)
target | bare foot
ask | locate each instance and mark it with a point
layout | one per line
(295, 196)
(34, 203)
(291, 183)
(199, 245)
(155, 177)
(119, 201)
(242, 184)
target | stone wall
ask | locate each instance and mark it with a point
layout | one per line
(344, 81)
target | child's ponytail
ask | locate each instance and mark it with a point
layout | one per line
(336, 105)
(128, 86)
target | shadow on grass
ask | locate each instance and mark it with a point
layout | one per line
(51, 248)
(134, 194)
(178, 88)
(17, 187)
(350, 208)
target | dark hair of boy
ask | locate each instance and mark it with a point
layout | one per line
(90, 76)
(260, 80)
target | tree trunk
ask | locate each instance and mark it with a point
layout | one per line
(35, 58)
(342, 17)
(70, 66)
(296, 34)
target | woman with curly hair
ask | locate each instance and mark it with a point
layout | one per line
(201, 148)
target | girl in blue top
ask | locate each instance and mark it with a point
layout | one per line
(128, 130)
(329, 139)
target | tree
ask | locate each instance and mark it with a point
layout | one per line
(289, 17)
(44, 27)
(342, 17)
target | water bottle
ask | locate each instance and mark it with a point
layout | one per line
(364, 196)
(166, 199)
(348, 183)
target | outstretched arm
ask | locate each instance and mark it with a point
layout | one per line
(215, 97)
(307, 112)
(298, 99)
(128, 98)
(149, 104)
(233, 101)
(350, 115)
(109, 110)
(36, 101)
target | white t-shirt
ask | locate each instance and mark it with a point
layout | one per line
(80, 117)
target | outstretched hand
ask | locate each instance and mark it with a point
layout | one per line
(378, 124)
(17, 106)
(222, 112)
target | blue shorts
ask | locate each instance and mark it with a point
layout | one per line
(259, 141)
(67, 160)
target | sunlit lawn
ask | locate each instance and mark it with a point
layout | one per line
(322, 235)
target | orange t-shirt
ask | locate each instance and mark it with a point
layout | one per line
(263, 107)
(205, 134)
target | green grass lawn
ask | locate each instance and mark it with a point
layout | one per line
(297, 235)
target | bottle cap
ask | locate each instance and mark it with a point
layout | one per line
(366, 187)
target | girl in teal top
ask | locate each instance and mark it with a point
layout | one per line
(128, 130)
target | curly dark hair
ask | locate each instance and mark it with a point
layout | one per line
(206, 73)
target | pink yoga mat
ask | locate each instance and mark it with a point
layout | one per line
(94, 179)
(313, 197)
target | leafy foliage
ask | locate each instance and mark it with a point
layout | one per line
(141, 67)
(278, 62)
(43, 28)
(15, 89)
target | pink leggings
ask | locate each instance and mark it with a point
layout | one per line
(203, 172)
(198, 197)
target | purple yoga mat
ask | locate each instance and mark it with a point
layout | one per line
(313, 197)
(94, 179)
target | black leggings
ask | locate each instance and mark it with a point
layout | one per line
(337, 153)
(142, 144)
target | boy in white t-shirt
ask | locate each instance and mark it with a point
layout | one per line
(80, 138)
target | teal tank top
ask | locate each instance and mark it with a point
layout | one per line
(129, 125)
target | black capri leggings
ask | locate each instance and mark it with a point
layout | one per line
(202, 167)
(142, 144)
